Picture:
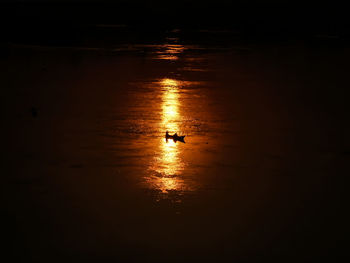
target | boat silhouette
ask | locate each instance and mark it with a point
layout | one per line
(175, 137)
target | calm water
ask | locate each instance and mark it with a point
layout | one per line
(92, 176)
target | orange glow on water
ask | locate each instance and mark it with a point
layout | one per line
(170, 104)
(174, 49)
(168, 164)
(170, 83)
(170, 51)
(171, 163)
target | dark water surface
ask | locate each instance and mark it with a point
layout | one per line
(92, 178)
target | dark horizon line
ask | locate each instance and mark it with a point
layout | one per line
(198, 3)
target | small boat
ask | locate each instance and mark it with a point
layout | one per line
(175, 137)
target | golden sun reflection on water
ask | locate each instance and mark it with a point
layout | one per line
(168, 165)
(170, 104)
(170, 51)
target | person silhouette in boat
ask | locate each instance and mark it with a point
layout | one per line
(175, 137)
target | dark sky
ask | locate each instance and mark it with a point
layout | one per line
(300, 3)
(255, 17)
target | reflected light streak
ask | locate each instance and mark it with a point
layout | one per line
(170, 105)
(170, 51)
(169, 165)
